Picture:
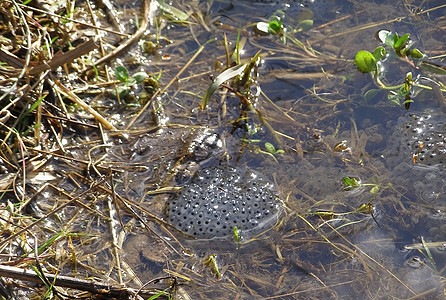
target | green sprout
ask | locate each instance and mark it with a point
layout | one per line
(367, 208)
(366, 62)
(351, 183)
(275, 25)
(271, 149)
(127, 81)
(237, 236)
(211, 262)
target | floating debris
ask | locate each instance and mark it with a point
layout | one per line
(217, 200)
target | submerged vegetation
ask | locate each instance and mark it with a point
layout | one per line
(398, 47)
(108, 109)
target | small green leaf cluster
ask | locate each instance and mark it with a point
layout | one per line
(395, 46)
(351, 182)
(127, 81)
(400, 44)
(271, 149)
(274, 26)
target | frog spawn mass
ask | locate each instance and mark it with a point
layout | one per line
(216, 200)
(426, 139)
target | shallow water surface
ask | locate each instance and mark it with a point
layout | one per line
(312, 106)
(303, 180)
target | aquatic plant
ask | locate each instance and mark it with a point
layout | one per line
(211, 263)
(241, 80)
(351, 182)
(394, 47)
(127, 82)
(275, 25)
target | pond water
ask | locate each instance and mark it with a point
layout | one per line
(310, 102)
(354, 181)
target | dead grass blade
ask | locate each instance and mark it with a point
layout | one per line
(103, 289)
(54, 211)
(60, 58)
(174, 79)
(376, 24)
(73, 97)
(373, 260)
(147, 12)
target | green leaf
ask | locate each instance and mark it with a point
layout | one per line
(280, 151)
(371, 94)
(402, 41)
(270, 148)
(275, 25)
(123, 91)
(48, 243)
(121, 73)
(226, 75)
(416, 54)
(131, 81)
(262, 28)
(374, 190)
(408, 82)
(355, 182)
(174, 12)
(394, 39)
(383, 35)
(365, 61)
(34, 106)
(305, 25)
(347, 181)
(393, 97)
(140, 76)
(379, 53)
(161, 293)
(237, 238)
